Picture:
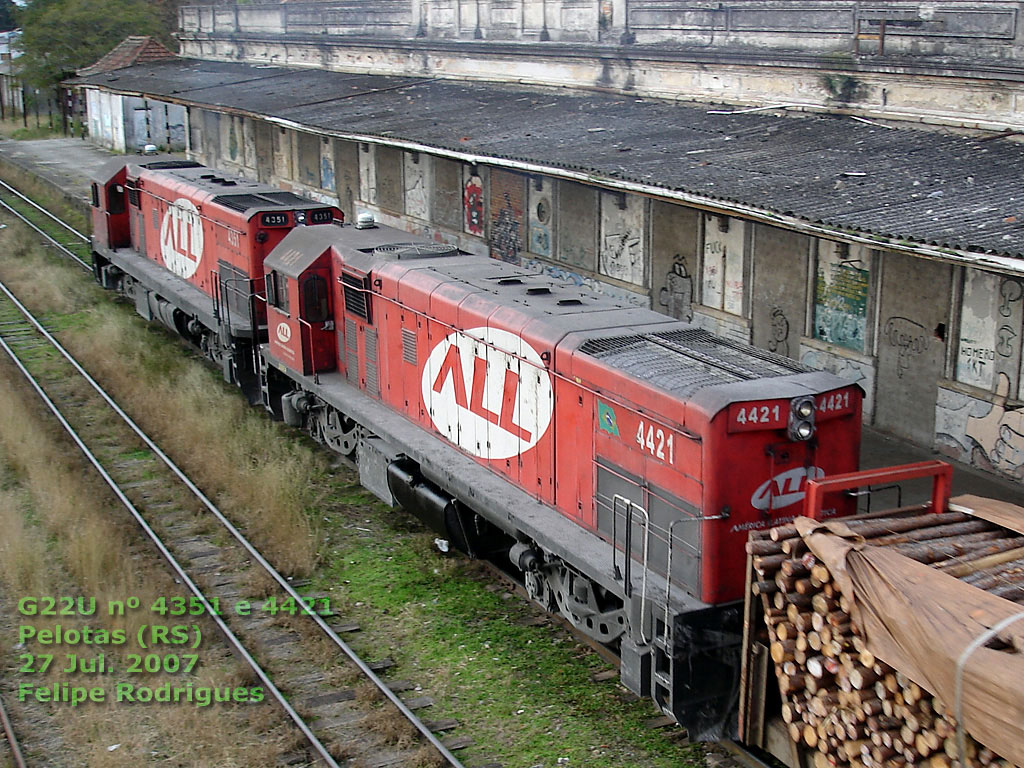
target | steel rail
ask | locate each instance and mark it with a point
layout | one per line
(12, 740)
(274, 691)
(39, 230)
(243, 541)
(84, 238)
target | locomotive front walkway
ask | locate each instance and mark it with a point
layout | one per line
(68, 163)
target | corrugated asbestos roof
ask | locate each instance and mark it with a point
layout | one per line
(921, 186)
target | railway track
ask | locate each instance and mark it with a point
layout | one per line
(162, 498)
(68, 241)
(14, 754)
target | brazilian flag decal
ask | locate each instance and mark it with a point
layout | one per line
(606, 418)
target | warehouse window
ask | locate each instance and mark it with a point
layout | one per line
(724, 264)
(842, 287)
(989, 346)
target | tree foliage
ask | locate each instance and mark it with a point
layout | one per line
(7, 11)
(60, 36)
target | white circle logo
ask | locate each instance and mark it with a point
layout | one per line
(488, 392)
(284, 333)
(181, 238)
(785, 488)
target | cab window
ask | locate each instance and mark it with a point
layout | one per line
(314, 299)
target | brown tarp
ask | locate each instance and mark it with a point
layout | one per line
(919, 621)
(999, 512)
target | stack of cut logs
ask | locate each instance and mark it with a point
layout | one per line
(837, 698)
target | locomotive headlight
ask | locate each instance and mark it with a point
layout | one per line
(300, 217)
(804, 408)
(801, 419)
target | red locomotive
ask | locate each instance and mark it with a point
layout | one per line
(187, 245)
(612, 458)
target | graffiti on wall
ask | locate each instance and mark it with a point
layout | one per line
(473, 205)
(779, 340)
(676, 296)
(417, 195)
(540, 221)
(621, 256)
(569, 277)
(505, 240)
(841, 300)
(910, 339)
(986, 434)
(327, 180)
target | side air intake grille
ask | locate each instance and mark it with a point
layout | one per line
(357, 295)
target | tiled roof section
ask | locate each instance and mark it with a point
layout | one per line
(137, 49)
(918, 186)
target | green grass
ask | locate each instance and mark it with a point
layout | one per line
(524, 691)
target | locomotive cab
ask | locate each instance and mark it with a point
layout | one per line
(109, 210)
(299, 319)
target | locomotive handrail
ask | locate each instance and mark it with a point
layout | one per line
(302, 347)
(628, 554)
(940, 472)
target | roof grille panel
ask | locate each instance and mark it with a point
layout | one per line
(685, 361)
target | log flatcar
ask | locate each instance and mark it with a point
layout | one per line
(612, 458)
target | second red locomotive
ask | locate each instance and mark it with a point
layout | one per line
(187, 245)
(612, 458)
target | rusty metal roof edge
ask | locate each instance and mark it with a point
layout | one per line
(980, 260)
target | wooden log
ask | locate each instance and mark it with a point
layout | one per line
(934, 551)
(764, 587)
(765, 564)
(862, 678)
(963, 569)
(785, 630)
(820, 575)
(823, 605)
(804, 587)
(782, 650)
(794, 547)
(998, 574)
(763, 547)
(793, 568)
(964, 529)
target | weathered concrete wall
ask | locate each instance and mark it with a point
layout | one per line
(346, 174)
(778, 295)
(390, 195)
(446, 193)
(911, 341)
(947, 63)
(416, 167)
(916, 28)
(622, 244)
(576, 237)
(675, 231)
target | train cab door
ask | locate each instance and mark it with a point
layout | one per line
(316, 322)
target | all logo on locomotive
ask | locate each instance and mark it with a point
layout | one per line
(611, 458)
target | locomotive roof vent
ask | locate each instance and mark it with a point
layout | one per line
(415, 250)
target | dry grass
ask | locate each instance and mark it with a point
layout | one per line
(63, 535)
(231, 450)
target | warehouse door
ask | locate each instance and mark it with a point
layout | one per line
(913, 324)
